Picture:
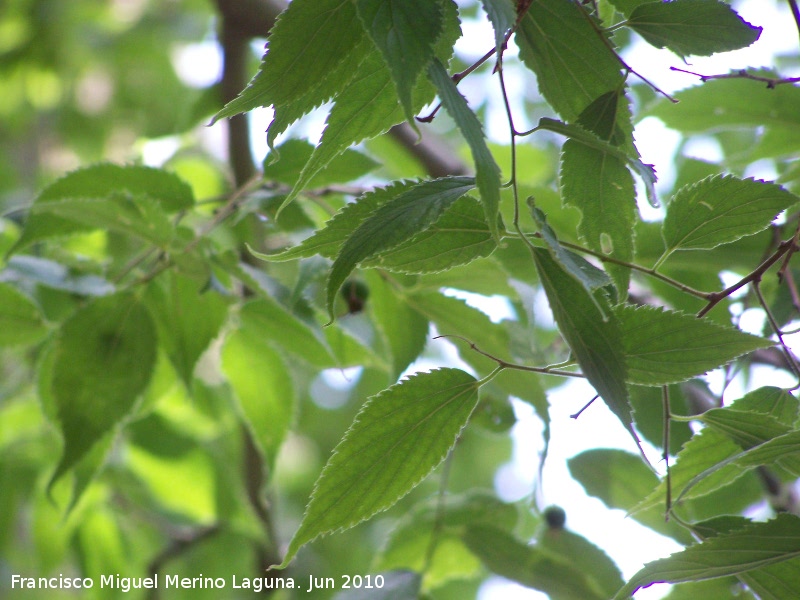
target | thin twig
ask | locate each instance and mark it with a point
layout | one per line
(772, 82)
(585, 406)
(776, 329)
(514, 366)
(716, 297)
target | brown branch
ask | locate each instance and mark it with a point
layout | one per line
(430, 150)
(241, 21)
(754, 277)
(772, 82)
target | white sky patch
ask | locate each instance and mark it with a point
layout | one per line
(187, 57)
(496, 307)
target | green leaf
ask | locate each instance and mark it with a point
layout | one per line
(404, 329)
(592, 332)
(600, 185)
(368, 106)
(577, 133)
(663, 346)
(755, 546)
(328, 240)
(692, 27)
(746, 428)
(782, 451)
(704, 451)
(103, 359)
(404, 31)
(570, 547)
(532, 566)
(393, 223)
(460, 236)
(21, 321)
(310, 38)
(188, 319)
(590, 276)
(487, 173)
(395, 441)
(271, 321)
(626, 7)
(260, 379)
(105, 196)
(315, 96)
(719, 210)
(564, 46)
(734, 102)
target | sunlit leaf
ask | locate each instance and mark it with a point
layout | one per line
(397, 438)
(260, 379)
(132, 199)
(188, 319)
(21, 321)
(734, 102)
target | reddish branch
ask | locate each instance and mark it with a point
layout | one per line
(772, 82)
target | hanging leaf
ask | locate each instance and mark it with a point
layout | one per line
(590, 276)
(663, 346)
(600, 185)
(692, 27)
(592, 332)
(395, 441)
(487, 173)
(103, 359)
(404, 31)
(393, 223)
(719, 210)
(755, 546)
